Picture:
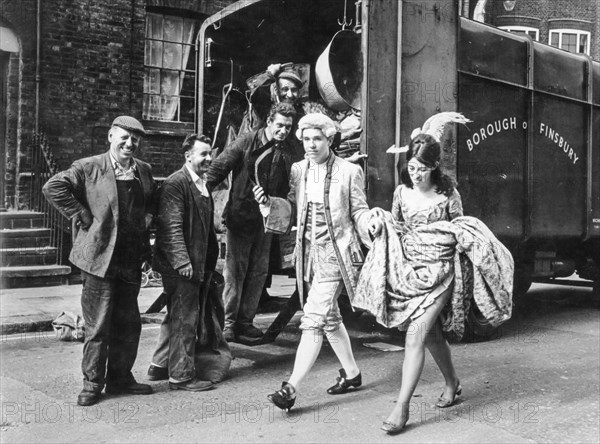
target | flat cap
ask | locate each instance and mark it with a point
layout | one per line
(130, 124)
(291, 75)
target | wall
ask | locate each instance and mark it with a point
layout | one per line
(91, 70)
(543, 14)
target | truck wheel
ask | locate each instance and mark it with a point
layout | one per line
(521, 280)
(477, 327)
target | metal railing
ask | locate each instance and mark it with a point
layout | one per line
(44, 166)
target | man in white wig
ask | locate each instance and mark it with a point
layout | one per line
(328, 205)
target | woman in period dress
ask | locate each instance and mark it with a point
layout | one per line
(423, 281)
(425, 196)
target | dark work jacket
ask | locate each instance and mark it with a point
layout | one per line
(185, 232)
(241, 213)
(90, 184)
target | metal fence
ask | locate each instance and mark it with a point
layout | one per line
(43, 167)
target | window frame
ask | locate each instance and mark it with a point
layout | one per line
(526, 29)
(190, 68)
(577, 32)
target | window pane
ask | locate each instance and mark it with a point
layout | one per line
(152, 81)
(172, 56)
(154, 26)
(169, 108)
(186, 109)
(151, 107)
(153, 55)
(188, 31)
(191, 62)
(187, 81)
(554, 39)
(173, 27)
(569, 42)
(169, 84)
(583, 43)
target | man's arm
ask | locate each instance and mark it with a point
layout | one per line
(171, 214)
(65, 191)
(231, 158)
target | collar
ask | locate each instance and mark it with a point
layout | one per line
(195, 177)
(266, 136)
(313, 164)
(118, 167)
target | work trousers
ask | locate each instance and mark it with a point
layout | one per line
(112, 329)
(246, 267)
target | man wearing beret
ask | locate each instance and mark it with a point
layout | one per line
(110, 200)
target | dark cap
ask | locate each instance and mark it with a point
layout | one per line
(130, 124)
(291, 75)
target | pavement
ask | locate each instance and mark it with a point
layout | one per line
(33, 309)
(537, 380)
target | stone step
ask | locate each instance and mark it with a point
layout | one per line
(27, 256)
(33, 276)
(35, 270)
(21, 219)
(25, 238)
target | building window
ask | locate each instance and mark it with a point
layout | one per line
(571, 40)
(523, 30)
(170, 68)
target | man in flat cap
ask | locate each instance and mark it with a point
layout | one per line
(286, 83)
(110, 200)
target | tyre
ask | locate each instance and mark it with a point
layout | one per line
(145, 279)
(477, 327)
(522, 280)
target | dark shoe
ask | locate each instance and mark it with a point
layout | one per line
(132, 388)
(342, 385)
(156, 373)
(87, 397)
(285, 397)
(193, 385)
(393, 429)
(229, 334)
(249, 331)
(444, 402)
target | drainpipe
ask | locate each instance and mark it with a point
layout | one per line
(38, 77)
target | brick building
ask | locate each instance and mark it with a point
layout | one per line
(69, 67)
(572, 25)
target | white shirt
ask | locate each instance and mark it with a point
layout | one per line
(198, 181)
(315, 180)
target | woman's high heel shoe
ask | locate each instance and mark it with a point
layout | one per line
(393, 429)
(285, 397)
(444, 402)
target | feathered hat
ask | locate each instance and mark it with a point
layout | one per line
(434, 126)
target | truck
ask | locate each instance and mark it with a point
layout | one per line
(528, 165)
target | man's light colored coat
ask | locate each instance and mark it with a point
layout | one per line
(346, 213)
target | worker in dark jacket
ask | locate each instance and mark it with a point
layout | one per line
(248, 246)
(185, 248)
(110, 200)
